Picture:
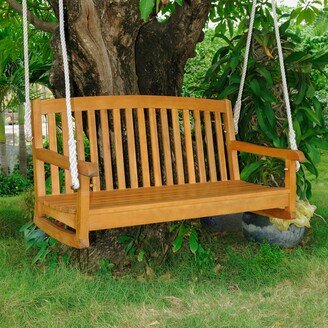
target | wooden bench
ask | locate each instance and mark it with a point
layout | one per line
(146, 159)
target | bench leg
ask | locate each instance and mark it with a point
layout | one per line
(82, 214)
(59, 232)
(291, 184)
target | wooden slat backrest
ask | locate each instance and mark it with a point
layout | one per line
(142, 141)
(54, 171)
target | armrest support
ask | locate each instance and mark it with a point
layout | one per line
(293, 155)
(48, 156)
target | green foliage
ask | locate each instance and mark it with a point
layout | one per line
(162, 8)
(13, 184)
(194, 84)
(133, 244)
(184, 231)
(105, 268)
(146, 7)
(315, 40)
(263, 118)
(37, 239)
(11, 60)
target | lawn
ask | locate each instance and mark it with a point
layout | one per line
(254, 285)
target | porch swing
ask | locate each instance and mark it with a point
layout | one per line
(161, 158)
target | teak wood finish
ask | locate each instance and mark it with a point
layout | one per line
(146, 159)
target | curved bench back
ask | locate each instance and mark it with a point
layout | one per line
(139, 141)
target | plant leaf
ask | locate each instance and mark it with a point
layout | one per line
(193, 241)
(250, 169)
(177, 244)
(146, 7)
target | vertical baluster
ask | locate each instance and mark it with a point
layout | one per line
(38, 166)
(106, 149)
(210, 147)
(118, 144)
(79, 135)
(93, 145)
(221, 148)
(54, 172)
(68, 182)
(167, 147)
(230, 136)
(155, 147)
(131, 148)
(143, 147)
(189, 150)
(200, 146)
(177, 146)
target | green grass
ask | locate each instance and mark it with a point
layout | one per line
(255, 285)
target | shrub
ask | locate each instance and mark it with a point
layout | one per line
(13, 184)
(263, 117)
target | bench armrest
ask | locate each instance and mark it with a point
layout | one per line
(293, 155)
(87, 169)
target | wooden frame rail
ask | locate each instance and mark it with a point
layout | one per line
(247, 147)
(290, 156)
(87, 169)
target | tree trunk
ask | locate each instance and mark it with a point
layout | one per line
(22, 144)
(112, 51)
(3, 146)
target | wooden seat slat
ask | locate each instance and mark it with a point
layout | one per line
(155, 156)
(117, 200)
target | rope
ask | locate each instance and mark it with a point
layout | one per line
(237, 107)
(71, 139)
(291, 132)
(27, 104)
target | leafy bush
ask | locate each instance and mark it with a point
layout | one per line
(13, 184)
(263, 117)
(196, 68)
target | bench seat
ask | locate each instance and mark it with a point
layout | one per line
(143, 160)
(130, 207)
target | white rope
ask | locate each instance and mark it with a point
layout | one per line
(237, 107)
(71, 139)
(291, 132)
(27, 118)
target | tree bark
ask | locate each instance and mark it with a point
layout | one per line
(112, 51)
